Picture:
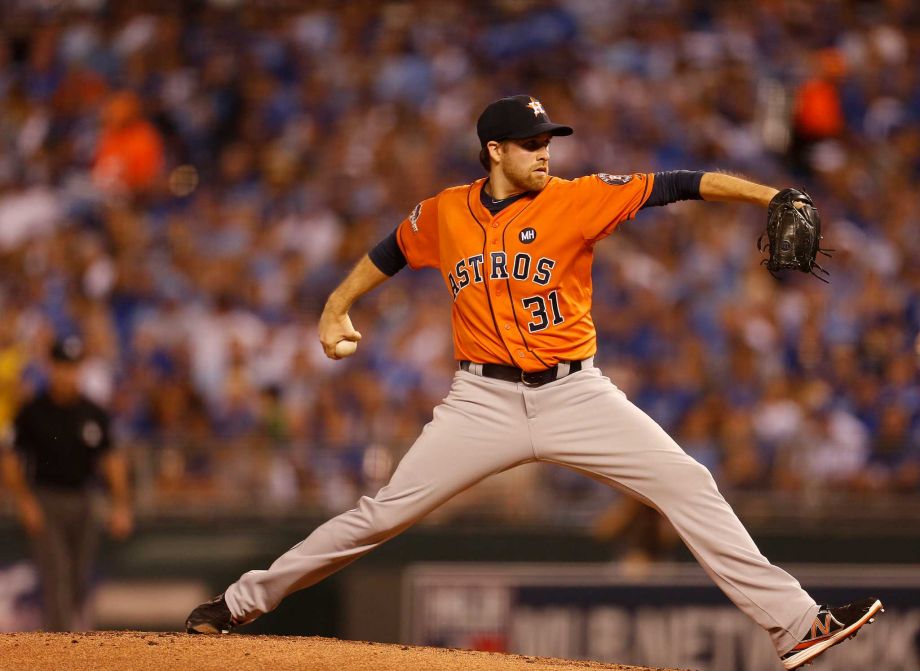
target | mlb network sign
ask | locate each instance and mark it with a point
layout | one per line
(670, 615)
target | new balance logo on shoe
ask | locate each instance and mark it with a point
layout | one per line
(820, 629)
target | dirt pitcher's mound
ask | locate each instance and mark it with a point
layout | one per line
(144, 651)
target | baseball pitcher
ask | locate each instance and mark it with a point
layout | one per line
(515, 251)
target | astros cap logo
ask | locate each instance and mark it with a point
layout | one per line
(536, 106)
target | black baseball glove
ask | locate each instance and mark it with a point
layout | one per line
(793, 234)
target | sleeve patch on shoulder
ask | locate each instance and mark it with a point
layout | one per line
(413, 217)
(614, 180)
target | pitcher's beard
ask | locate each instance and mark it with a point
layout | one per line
(527, 180)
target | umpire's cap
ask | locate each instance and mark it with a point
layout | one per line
(515, 118)
(67, 350)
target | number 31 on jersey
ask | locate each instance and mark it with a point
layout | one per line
(543, 310)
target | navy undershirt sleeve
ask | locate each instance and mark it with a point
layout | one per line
(674, 185)
(387, 255)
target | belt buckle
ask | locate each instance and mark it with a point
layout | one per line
(534, 383)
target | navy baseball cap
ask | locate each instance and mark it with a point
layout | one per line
(515, 118)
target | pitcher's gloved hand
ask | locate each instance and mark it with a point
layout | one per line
(793, 234)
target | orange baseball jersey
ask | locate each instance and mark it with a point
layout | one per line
(521, 280)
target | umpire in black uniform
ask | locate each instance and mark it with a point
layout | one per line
(61, 444)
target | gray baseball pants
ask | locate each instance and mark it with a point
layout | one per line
(64, 552)
(582, 421)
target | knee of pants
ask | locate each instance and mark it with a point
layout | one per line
(683, 482)
(696, 477)
(373, 520)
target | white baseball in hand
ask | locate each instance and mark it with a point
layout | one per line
(344, 348)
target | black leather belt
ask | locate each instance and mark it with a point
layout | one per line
(513, 374)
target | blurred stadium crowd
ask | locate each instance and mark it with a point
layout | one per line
(183, 186)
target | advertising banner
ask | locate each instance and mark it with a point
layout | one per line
(667, 615)
(20, 608)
